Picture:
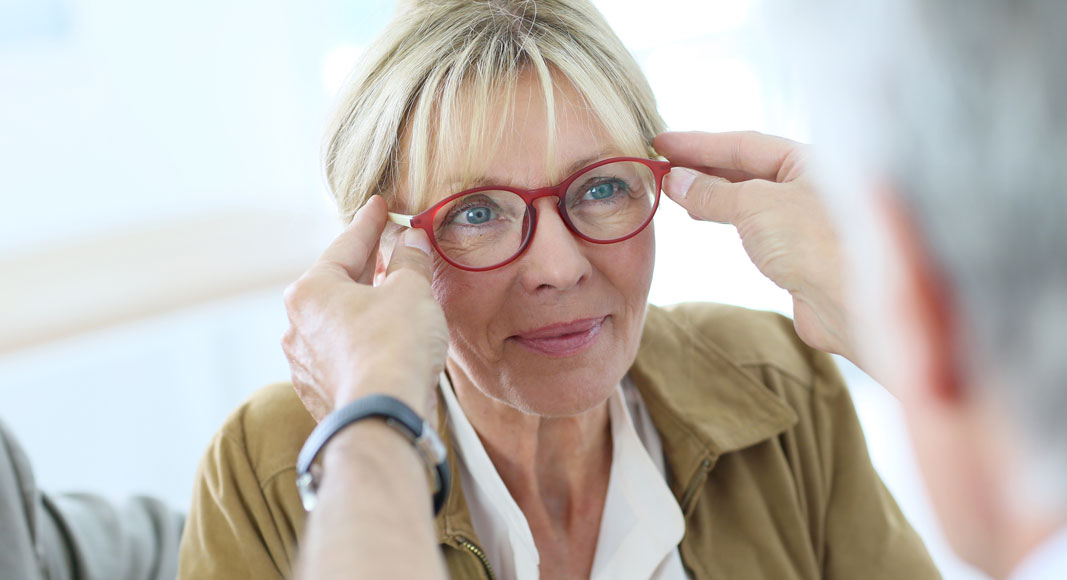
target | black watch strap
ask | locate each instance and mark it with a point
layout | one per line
(398, 416)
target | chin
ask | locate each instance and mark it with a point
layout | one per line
(562, 398)
(547, 386)
(569, 386)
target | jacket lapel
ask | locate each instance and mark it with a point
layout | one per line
(701, 401)
(454, 520)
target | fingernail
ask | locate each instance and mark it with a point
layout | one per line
(416, 238)
(678, 182)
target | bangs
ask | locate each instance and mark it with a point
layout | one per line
(462, 115)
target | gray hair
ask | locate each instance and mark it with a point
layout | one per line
(961, 105)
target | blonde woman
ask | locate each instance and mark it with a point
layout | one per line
(588, 434)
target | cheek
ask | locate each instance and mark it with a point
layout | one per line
(648, 257)
(629, 266)
(449, 291)
(469, 300)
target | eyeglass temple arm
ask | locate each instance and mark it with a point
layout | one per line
(400, 219)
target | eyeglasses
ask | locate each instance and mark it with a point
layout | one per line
(488, 227)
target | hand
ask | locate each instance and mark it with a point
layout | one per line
(761, 185)
(347, 338)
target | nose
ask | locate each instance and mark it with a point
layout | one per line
(555, 258)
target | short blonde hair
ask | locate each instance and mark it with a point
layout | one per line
(442, 66)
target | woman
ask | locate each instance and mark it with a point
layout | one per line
(589, 434)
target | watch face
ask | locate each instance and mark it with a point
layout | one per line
(430, 446)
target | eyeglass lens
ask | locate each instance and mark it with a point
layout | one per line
(487, 228)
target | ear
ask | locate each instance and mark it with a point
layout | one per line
(924, 308)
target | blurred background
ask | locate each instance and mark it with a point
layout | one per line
(161, 185)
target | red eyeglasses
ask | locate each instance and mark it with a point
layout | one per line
(488, 227)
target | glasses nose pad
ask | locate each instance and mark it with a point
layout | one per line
(528, 221)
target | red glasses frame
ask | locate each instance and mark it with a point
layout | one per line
(424, 220)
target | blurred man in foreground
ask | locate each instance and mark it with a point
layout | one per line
(945, 157)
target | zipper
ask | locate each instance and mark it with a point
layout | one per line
(480, 554)
(690, 495)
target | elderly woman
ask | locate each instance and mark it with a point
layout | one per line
(589, 434)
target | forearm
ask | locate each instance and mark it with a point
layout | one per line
(374, 515)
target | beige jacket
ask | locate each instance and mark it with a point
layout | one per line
(764, 454)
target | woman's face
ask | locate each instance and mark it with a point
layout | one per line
(553, 332)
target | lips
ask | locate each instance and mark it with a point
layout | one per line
(562, 340)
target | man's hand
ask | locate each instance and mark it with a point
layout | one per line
(347, 338)
(761, 185)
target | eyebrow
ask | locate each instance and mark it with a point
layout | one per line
(456, 185)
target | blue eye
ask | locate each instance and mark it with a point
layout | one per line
(606, 190)
(602, 191)
(478, 215)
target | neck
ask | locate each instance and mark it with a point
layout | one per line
(558, 466)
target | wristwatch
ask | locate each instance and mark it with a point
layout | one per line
(398, 416)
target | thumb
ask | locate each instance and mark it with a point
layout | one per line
(704, 196)
(412, 252)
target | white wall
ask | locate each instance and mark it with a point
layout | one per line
(123, 114)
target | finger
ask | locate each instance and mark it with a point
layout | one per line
(412, 252)
(758, 155)
(729, 174)
(354, 247)
(705, 197)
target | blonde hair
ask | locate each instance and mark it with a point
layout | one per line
(442, 66)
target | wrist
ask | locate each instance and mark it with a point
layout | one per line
(368, 445)
(380, 410)
(393, 381)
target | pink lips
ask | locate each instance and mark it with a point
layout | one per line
(561, 340)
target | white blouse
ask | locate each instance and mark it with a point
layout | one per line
(641, 525)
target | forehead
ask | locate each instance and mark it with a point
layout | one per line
(517, 138)
(538, 142)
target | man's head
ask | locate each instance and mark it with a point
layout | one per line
(952, 114)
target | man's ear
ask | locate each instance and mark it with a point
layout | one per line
(925, 308)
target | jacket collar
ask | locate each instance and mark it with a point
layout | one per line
(453, 523)
(702, 403)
